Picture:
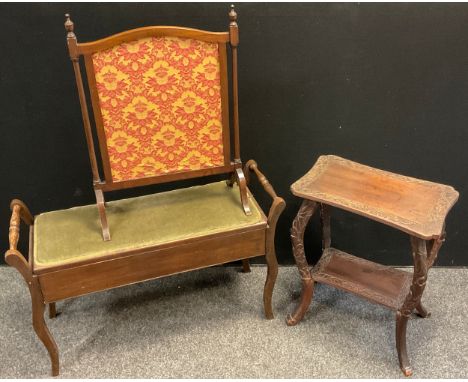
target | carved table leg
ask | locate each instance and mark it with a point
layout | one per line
(412, 301)
(432, 248)
(325, 221)
(307, 209)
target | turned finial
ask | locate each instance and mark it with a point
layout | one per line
(233, 15)
(233, 28)
(69, 25)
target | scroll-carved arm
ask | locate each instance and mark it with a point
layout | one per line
(12, 256)
(276, 208)
(15, 259)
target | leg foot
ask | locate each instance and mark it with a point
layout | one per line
(401, 322)
(245, 266)
(306, 298)
(422, 311)
(40, 327)
(52, 310)
(407, 372)
(272, 273)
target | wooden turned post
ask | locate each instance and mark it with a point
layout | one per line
(72, 43)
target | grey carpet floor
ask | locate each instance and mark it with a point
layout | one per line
(209, 324)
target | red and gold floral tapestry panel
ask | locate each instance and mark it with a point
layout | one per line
(160, 100)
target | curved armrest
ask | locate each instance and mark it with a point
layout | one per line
(13, 257)
(278, 204)
(252, 166)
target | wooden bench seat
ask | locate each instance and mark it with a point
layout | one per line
(73, 235)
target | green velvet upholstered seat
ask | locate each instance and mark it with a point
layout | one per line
(68, 236)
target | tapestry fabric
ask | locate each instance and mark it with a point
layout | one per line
(160, 100)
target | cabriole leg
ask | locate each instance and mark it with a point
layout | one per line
(15, 259)
(272, 273)
(40, 327)
(412, 301)
(299, 225)
(272, 263)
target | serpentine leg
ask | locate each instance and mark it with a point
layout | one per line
(272, 273)
(40, 327)
(270, 253)
(299, 225)
(412, 301)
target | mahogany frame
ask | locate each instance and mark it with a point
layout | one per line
(232, 167)
(50, 284)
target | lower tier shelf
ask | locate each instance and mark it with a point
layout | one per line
(378, 283)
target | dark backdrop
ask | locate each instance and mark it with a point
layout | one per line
(381, 84)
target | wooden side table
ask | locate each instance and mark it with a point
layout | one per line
(414, 206)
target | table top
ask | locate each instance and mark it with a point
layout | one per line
(415, 206)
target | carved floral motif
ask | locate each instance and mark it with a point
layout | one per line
(433, 223)
(297, 237)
